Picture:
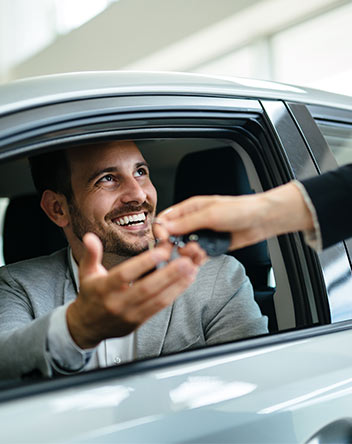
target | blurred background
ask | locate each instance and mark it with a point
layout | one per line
(305, 42)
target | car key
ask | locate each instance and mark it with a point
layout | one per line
(213, 243)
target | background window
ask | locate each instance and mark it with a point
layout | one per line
(339, 139)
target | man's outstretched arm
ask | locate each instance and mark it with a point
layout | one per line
(116, 302)
(110, 303)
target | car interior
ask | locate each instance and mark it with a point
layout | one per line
(180, 168)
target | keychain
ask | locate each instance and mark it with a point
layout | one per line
(214, 243)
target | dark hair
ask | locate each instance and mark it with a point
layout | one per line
(51, 171)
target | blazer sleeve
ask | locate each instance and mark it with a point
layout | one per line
(331, 195)
(22, 338)
(29, 293)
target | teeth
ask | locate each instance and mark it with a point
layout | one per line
(132, 218)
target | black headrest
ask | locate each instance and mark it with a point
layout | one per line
(215, 171)
(218, 171)
(28, 232)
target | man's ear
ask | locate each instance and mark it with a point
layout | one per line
(55, 207)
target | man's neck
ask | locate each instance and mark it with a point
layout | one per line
(109, 259)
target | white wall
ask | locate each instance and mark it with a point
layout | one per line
(25, 27)
(317, 52)
(301, 42)
(126, 32)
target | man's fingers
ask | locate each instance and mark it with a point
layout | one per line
(132, 269)
(164, 298)
(92, 256)
(177, 270)
(194, 252)
(179, 273)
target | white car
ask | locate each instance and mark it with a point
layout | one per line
(291, 385)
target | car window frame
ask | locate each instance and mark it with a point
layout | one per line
(245, 111)
(300, 165)
(324, 160)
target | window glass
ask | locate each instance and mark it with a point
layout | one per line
(178, 168)
(339, 139)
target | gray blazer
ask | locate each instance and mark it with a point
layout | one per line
(216, 308)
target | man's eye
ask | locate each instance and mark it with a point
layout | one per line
(141, 172)
(107, 178)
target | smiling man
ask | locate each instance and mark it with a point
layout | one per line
(112, 196)
(95, 304)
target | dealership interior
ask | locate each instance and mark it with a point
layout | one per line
(300, 42)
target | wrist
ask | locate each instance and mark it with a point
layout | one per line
(80, 333)
(286, 210)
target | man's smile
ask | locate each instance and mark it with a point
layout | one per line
(131, 220)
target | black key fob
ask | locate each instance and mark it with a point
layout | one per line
(213, 243)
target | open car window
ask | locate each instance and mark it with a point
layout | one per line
(181, 167)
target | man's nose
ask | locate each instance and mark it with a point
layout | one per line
(133, 192)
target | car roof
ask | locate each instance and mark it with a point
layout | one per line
(38, 91)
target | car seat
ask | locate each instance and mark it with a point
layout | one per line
(28, 232)
(221, 171)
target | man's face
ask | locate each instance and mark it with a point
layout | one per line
(113, 196)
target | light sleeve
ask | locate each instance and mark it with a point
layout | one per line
(64, 354)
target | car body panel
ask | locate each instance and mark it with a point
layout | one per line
(276, 394)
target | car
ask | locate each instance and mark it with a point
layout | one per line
(201, 135)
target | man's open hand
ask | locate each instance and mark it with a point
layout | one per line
(114, 303)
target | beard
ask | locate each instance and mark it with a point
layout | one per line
(113, 241)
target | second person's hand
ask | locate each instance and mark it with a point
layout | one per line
(249, 218)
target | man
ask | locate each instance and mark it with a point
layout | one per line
(56, 317)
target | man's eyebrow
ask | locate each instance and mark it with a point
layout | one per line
(102, 171)
(113, 170)
(144, 163)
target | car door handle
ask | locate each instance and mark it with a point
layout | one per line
(337, 432)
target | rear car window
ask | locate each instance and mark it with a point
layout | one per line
(339, 138)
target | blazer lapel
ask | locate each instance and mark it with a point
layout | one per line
(151, 335)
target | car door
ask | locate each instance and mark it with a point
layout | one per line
(282, 387)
